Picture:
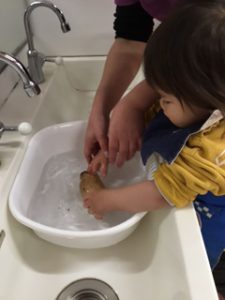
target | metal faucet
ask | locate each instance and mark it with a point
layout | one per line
(35, 58)
(29, 85)
(23, 128)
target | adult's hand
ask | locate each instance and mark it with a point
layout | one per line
(96, 135)
(124, 58)
(125, 131)
(127, 123)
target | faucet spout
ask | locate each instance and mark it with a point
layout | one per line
(29, 85)
(36, 59)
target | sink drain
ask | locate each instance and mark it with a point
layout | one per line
(87, 289)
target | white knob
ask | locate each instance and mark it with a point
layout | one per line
(25, 128)
(59, 60)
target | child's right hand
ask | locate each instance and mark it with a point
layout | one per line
(99, 202)
(99, 163)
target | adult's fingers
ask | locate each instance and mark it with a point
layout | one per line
(92, 146)
(123, 153)
(103, 169)
(132, 150)
(98, 216)
(134, 146)
(103, 142)
(89, 145)
(127, 150)
(94, 167)
(113, 150)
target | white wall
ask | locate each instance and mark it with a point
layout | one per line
(91, 24)
(91, 31)
(12, 32)
(12, 35)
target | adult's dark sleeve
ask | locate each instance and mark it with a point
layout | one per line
(132, 22)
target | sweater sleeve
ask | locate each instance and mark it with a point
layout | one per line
(199, 168)
(132, 22)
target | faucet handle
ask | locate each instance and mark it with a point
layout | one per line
(23, 128)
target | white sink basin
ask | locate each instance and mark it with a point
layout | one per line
(163, 259)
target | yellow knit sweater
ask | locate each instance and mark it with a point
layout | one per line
(199, 167)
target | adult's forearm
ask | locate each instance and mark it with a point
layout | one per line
(121, 66)
(142, 96)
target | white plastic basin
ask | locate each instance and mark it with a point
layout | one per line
(46, 198)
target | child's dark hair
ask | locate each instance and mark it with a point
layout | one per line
(185, 56)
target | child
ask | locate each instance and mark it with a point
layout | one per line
(183, 146)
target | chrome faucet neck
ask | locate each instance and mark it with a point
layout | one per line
(36, 59)
(30, 87)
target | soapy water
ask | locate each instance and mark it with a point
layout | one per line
(57, 202)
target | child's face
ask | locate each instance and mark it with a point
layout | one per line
(181, 114)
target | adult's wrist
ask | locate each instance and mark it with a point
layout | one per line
(103, 103)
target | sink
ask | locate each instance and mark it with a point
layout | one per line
(164, 258)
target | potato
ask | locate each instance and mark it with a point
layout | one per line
(89, 183)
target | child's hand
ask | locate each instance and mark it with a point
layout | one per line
(99, 163)
(99, 202)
